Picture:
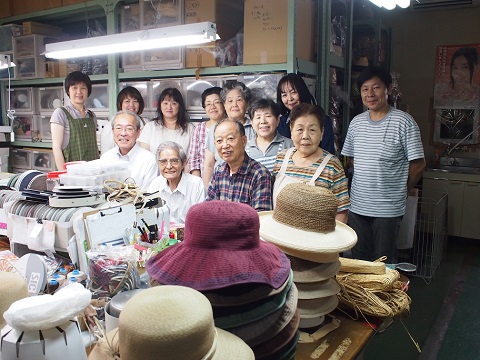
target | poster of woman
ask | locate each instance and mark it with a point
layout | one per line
(457, 77)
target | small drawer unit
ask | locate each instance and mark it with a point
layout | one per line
(21, 100)
(30, 67)
(144, 87)
(22, 126)
(158, 86)
(41, 131)
(194, 88)
(158, 13)
(130, 17)
(49, 98)
(30, 45)
(43, 160)
(21, 159)
(7, 32)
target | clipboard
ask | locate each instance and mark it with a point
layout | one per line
(107, 226)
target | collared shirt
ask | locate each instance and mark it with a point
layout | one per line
(196, 156)
(210, 141)
(251, 184)
(267, 159)
(141, 163)
(190, 191)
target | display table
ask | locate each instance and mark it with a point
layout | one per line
(346, 342)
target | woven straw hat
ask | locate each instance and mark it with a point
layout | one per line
(305, 271)
(170, 323)
(317, 307)
(221, 248)
(303, 223)
(13, 287)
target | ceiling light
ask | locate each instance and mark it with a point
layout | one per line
(5, 62)
(180, 35)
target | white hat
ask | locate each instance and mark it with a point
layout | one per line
(303, 224)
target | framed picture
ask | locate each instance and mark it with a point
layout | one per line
(457, 77)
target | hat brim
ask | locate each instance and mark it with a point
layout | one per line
(313, 308)
(192, 267)
(305, 271)
(229, 346)
(309, 243)
(317, 290)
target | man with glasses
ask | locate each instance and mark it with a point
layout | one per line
(239, 178)
(177, 188)
(141, 163)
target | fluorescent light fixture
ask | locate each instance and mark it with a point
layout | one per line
(391, 4)
(179, 35)
(5, 62)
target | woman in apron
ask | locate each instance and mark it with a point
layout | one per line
(73, 126)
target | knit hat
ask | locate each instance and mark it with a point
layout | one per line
(303, 223)
(13, 287)
(169, 322)
(221, 248)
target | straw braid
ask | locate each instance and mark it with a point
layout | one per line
(372, 281)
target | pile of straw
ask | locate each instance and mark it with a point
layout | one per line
(372, 293)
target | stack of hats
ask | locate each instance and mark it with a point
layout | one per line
(169, 322)
(303, 226)
(248, 281)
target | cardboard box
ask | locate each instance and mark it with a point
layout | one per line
(30, 27)
(227, 15)
(20, 7)
(266, 30)
(5, 9)
(52, 69)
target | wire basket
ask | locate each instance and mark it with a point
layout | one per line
(430, 234)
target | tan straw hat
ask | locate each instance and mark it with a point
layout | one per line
(318, 289)
(170, 323)
(303, 223)
(13, 287)
(305, 271)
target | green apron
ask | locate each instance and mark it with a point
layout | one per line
(83, 138)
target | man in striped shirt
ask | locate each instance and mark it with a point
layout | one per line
(387, 152)
(239, 178)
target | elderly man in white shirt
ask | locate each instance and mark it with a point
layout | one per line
(179, 189)
(141, 163)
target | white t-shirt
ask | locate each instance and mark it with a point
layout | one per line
(141, 163)
(154, 134)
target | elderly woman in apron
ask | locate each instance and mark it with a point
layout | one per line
(73, 126)
(307, 162)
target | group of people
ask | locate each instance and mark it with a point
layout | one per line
(249, 149)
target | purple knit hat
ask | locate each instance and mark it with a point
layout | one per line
(221, 247)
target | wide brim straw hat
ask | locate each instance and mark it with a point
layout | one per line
(318, 289)
(305, 271)
(242, 294)
(312, 308)
(303, 223)
(265, 329)
(221, 248)
(13, 287)
(169, 323)
(226, 318)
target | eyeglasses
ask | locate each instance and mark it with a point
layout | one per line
(128, 129)
(173, 162)
(217, 103)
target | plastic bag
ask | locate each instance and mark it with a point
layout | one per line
(44, 312)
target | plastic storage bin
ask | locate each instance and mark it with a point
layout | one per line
(22, 126)
(21, 100)
(49, 98)
(43, 160)
(193, 90)
(21, 159)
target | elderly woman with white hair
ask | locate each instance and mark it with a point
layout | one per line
(179, 189)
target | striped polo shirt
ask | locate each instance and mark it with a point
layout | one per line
(268, 158)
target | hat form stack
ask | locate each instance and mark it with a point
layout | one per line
(303, 226)
(248, 282)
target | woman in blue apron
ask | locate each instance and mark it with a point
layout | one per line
(73, 126)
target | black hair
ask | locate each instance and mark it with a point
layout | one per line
(299, 86)
(77, 77)
(374, 71)
(176, 95)
(130, 91)
(262, 104)
(305, 110)
(210, 91)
